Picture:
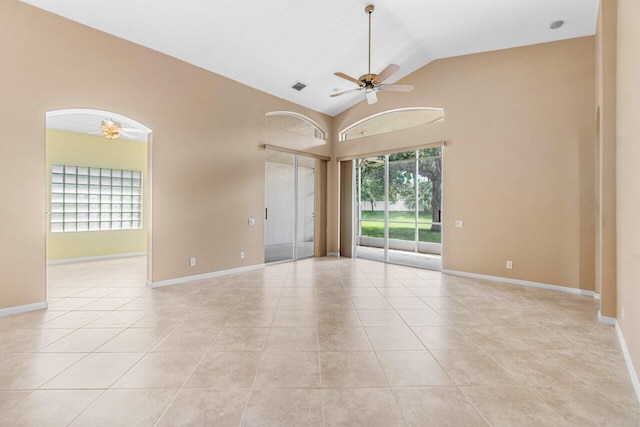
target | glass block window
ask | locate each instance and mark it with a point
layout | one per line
(93, 199)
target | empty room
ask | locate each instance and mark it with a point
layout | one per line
(350, 213)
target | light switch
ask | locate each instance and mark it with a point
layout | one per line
(459, 223)
(252, 221)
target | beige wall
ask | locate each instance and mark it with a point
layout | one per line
(518, 165)
(628, 175)
(207, 132)
(71, 148)
(605, 261)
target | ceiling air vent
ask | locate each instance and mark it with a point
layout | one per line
(298, 86)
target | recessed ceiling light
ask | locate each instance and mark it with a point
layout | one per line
(556, 24)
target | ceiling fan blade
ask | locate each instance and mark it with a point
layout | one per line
(372, 98)
(396, 88)
(386, 73)
(351, 79)
(96, 132)
(346, 91)
(133, 130)
(83, 124)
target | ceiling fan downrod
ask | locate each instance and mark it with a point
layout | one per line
(369, 10)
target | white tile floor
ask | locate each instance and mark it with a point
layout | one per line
(318, 342)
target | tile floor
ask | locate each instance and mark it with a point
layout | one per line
(318, 342)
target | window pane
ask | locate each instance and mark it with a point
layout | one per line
(89, 199)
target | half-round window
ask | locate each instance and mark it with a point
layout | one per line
(294, 122)
(391, 120)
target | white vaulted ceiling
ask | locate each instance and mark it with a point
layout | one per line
(272, 44)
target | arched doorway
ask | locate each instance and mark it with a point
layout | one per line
(98, 209)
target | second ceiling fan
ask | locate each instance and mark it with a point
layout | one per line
(372, 83)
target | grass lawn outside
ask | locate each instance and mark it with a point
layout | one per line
(401, 226)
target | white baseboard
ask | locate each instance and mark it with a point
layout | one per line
(23, 308)
(203, 276)
(521, 282)
(627, 358)
(95, 258)
(335, 254)
(606, 319)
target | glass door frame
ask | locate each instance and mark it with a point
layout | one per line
(435, 220)
(295, 249)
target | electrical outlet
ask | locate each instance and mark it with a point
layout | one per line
(459, 223)
(252, 222)
(241, 254)
(509, 265)
(192, 262)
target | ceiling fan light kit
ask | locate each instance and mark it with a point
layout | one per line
(373, 83)
(111, 129)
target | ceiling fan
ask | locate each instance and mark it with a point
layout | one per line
(111, 129)
(372, 83)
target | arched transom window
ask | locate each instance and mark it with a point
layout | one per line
(391, 120)
(294, 122)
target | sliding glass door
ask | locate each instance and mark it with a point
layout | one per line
(398, 203)
(289, 206)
